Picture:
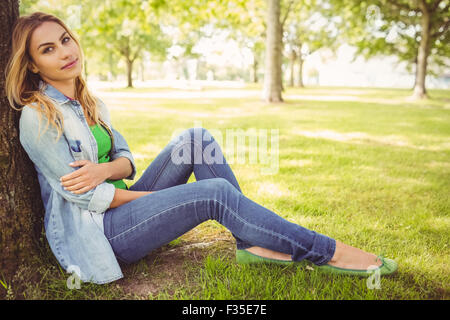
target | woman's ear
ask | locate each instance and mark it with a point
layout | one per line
(33, 68)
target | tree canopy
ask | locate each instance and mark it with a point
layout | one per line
(416, 32)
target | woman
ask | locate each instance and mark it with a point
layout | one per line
(92, 218)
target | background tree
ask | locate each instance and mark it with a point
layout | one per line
(186, 22)
(246, 22)
(307, 30)
(130, 27)
(21, 208)
(26, 5)
(272, 75)
(416, 31)
(75, 14)
(277, 14)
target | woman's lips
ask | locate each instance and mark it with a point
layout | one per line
(70, 65)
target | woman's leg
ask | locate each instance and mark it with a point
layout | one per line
(187, 153)
(142, 225)
(193, 151)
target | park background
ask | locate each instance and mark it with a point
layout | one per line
(363, 134)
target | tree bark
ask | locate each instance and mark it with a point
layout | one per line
(142, 67)
(293, 58)
(111, 74)
(255, 69)
(300, 72)
(272, 76)
(130, 73)
(415, 72)
(422, 56)
(21, 208)
(125, 50)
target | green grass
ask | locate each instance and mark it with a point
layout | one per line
(372, 171)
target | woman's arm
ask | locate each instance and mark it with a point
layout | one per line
(52, 160)
(119, 168)
(123, 196)
(121, 150)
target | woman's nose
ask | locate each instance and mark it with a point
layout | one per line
(65, 53)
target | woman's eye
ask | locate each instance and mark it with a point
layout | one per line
(65, 39)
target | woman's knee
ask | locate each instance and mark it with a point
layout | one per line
(198, 134)
(218, 184)
(194, 136)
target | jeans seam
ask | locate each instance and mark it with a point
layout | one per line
(134, 227)
(209, 166)
(233, 212)
(160, 171)
(262, 229)
(192, 141)
(177, 147)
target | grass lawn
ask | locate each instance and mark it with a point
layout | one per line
(368, 167)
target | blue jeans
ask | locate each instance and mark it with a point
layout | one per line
(149, 222)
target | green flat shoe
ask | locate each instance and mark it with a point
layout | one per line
(246, 257)
(387, 267)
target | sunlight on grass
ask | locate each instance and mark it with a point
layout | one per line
(372, 179)
(365, 166)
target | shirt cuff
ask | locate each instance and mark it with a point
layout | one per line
(129, 156)
(102, 197)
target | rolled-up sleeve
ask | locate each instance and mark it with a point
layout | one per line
(121, 149)
(52, 160)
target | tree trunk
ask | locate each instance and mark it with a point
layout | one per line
(112, 74)
(255, 69)
(130, 73)
(415, 76)
(272, 76)
(422, 56)
(21, 208)
(300, 72)
(142, 70)
(293, 57)
(126, 52)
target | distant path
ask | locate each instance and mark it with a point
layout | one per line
(228, 93)
(180, 89)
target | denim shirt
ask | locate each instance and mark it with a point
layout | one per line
(77, 242)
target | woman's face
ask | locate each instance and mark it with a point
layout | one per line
(52, 49)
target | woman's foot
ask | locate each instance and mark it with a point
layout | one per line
(345, 256)
(267, 253)
(346, 260)
(349, 257)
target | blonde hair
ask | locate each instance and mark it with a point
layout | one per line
(22, 85)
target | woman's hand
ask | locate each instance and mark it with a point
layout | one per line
(86, 178)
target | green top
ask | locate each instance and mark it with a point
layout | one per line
(104, 146)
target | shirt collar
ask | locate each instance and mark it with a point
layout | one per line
(52, 92)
